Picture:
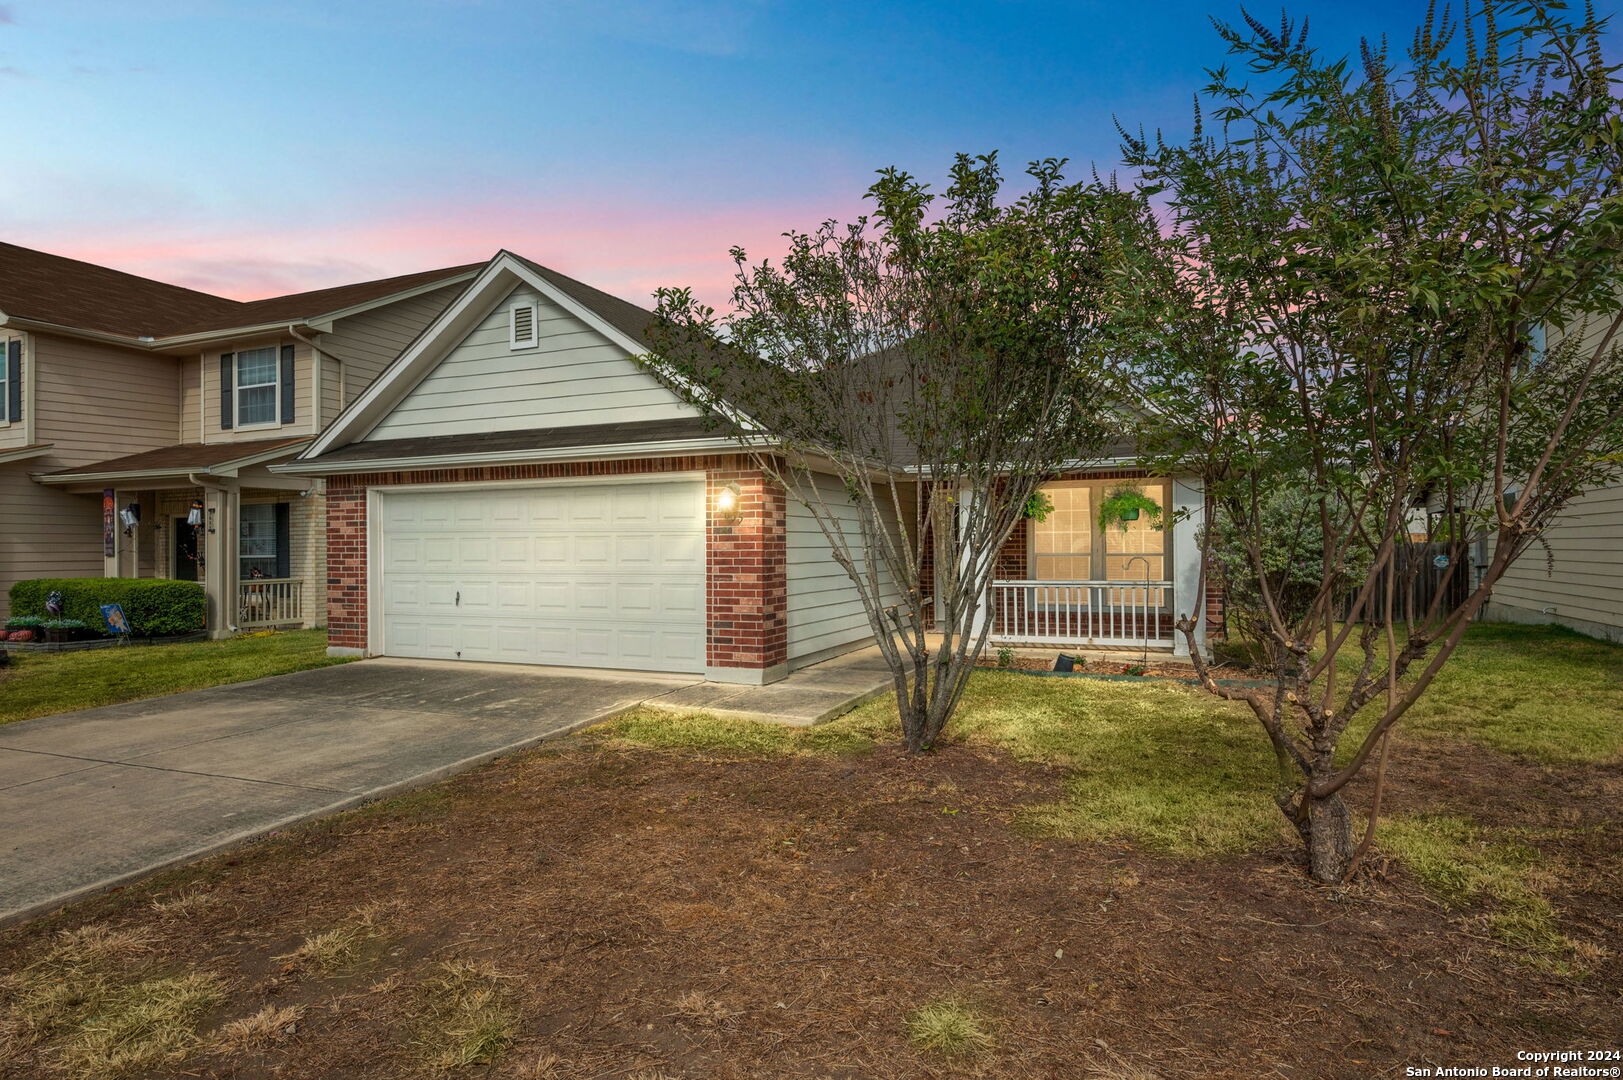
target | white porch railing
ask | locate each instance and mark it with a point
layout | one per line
(1082, 612)
(270, 601)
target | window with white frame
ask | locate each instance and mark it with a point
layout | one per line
(256, 540)
(256, 386)
(5, 386)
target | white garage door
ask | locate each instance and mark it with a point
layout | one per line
(595, 575)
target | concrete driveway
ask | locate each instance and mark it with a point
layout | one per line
(95, 798)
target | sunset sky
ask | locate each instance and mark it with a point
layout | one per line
(258, 148)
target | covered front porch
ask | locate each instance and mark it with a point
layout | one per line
(1087, 574)
(213, 513)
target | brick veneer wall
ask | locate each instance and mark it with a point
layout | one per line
(746, 588)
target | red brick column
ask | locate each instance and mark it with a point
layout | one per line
(346, 564)
(1216, 620)
(747, 585)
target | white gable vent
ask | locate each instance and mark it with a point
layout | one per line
(521, 323)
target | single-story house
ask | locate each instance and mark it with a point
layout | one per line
(515, 487)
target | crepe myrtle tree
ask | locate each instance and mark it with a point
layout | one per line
(1391, 286)
(937, 359)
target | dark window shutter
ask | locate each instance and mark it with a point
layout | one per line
(14, 380)
(287, 385)
(227, 376)
(284, 561)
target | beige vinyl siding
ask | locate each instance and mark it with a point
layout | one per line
(1575, 578)
(574, 376)
(304, 423)
(824, 609)
(191, 398)
(44, 532)
(363, 345)
(96, 402)
(93, 402)
(1578, 581)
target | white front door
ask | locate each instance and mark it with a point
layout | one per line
(583, 574)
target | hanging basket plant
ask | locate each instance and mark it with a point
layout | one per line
(1127, 502)
(1037, 507)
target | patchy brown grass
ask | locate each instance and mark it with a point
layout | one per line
(97, 1002)
(606, 909)
(259, 1031)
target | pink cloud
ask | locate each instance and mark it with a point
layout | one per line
(628, 251)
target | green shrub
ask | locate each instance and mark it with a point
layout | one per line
(155, 607)
(24, 622)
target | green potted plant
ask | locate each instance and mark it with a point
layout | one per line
(64, 629)
(22, 628)
(1127, 502)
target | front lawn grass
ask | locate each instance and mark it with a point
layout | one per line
(1178, 772)
(948, 1027)
(1463, 865)
(467, 1018)
(38, 684)
(106, 1006)
(1541, 692)
(1169, 767)
(1158, 764)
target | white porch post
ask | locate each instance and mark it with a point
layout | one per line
(966, 503)
(1189, 516)
(219, 574)
(135, 542)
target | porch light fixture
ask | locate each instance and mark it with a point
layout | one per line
(727, 499)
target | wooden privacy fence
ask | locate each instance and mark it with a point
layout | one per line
(1419, 579)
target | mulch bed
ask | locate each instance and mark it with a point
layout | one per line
(667, 914)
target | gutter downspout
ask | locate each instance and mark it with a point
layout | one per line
(316, 355)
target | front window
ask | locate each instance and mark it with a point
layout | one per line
(256, 386)
(1062, 544)
(256, 546)
(1074, 545)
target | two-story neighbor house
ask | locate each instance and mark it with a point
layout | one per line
(119, 393)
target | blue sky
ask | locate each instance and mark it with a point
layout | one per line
(254, 148)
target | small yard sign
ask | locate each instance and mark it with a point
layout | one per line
(114, 615)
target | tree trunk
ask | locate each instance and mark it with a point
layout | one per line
(1328, 834)
(930, 702)
(915, 725)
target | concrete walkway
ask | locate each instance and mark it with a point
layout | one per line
(809, 696)
(94, 799)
